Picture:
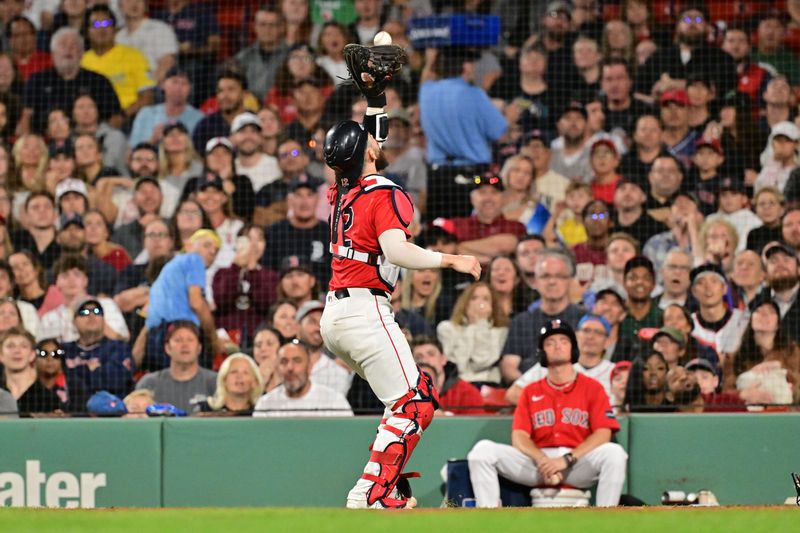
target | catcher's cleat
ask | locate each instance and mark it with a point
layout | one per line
(400, 503)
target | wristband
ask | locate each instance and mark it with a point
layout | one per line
(377, 101)
(570, 459)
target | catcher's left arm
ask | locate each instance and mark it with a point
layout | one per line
(371, 69)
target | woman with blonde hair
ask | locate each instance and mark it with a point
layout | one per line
(717, 242)
(177, 159)
(473, 338)
(30, 157)
(239, 386)
(519, 200)
(421, 293)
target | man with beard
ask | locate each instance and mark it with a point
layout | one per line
(299, 395)
(689, 55)
(231, 87)
(58, 87)
(72, 239)
(554, 271)
(642, 311)
(570, 152)
(487, 233)
(630, 215)
(302, 235)
(147, 200)
(557, 38)
(716, 327)
(783, 278)
(251, 161)
(790, 227)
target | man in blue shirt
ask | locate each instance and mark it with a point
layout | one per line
(94, 360)
(460, 123)
(149, 122)
(178, 294)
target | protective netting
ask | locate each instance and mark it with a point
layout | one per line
(628, 167)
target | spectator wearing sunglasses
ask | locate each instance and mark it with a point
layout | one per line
(94, 360)
(72, 393)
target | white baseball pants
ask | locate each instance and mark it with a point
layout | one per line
(605, 465)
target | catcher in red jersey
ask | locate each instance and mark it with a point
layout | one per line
(370, 216)
(560, 435)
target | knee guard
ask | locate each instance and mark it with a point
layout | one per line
(397, 437)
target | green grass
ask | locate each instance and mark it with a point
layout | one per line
(749, 519)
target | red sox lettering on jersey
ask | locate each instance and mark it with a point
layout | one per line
(375, 205)
(555, 418)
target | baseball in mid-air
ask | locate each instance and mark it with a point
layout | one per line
(382, 38)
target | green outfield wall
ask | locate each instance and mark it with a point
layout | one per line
(744, 459)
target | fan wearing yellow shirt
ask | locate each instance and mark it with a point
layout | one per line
(126, 68)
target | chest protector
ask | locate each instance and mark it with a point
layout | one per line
(342, 202)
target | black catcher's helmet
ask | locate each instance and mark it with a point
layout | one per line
(555, 327)
(345, 144)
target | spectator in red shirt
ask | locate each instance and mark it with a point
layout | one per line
(487, 232)
(604, 159)
(592, 253)
(22, 38)
(455, 394)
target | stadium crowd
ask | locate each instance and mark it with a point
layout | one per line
(628, 167)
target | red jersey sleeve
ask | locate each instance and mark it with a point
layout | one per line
(600, 413)
(522, 414)
(392, 209)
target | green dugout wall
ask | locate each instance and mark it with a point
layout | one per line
(744, 459)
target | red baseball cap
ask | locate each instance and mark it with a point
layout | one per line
(714, 144)
(603, 142)
(677, 96)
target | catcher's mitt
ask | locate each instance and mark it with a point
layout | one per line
(379, 63)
